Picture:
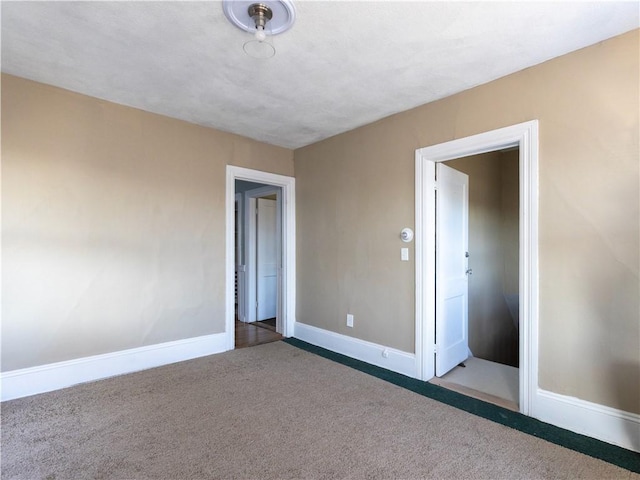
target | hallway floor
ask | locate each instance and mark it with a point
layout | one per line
(249, 335)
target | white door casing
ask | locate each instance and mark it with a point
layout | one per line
(524, 136)
(452, 290)
(267, 243)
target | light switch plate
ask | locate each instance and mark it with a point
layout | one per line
(404, 254)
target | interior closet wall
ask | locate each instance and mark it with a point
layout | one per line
(493, 333)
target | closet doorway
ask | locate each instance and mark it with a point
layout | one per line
(430, 343)
(486, 366)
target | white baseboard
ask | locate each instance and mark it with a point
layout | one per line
(46, 378)
(604, 423)
(395, 360)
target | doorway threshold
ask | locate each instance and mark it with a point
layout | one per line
(485, 380)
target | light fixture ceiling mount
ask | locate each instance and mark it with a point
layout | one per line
(260, 14)
(262, 18)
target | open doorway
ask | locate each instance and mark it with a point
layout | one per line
(431, 347)
(489, 370)
(286, 301)
(258, 260)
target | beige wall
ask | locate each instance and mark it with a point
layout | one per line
(493, 334)
(356, 191)
(510, 222)
(113, 224)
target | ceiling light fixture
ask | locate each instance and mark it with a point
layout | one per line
(263, 19)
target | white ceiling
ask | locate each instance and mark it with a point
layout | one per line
(342, 65)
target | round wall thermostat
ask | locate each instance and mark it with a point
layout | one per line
(406, 235)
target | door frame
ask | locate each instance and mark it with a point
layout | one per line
(288, 295)
(525, 137)
(239, 267)
(250, 252)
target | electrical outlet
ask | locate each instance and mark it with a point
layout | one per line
(349, 320)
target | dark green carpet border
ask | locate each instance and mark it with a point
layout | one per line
(580, 443)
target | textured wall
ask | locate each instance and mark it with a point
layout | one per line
(356, 191)
(112, 224)
(510, 235)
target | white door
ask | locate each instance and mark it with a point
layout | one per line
(267, 259)
(452, 240)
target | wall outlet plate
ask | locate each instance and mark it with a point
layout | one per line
(349, 320)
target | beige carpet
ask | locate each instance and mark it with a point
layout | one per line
(271, 411)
